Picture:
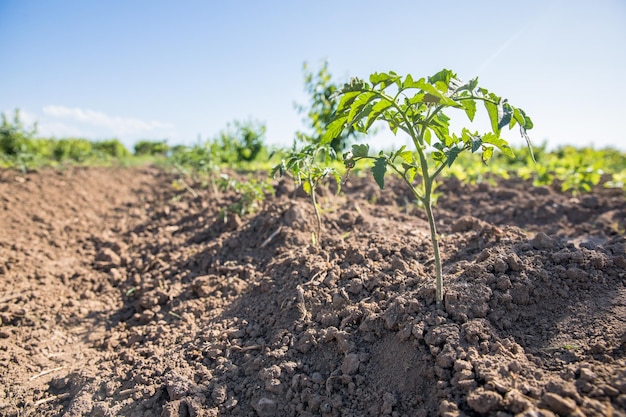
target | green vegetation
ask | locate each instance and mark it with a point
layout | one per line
(321, 109)
(305, 166)
(570, 169)
(250, 195)
(335, 117)
(20, 148)
(152, 148)
(416, 108)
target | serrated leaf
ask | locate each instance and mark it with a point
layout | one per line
(417, 98)
(445, 75)
(407, 156)
(430, 89)
(521, 118)
(379, 169)
(334, 129)
(492, 111)
(438, 156)
(384, 79)
(451, 155)
(409, 82)
(476, 143)
(499, 143)
(442, 86)
(358, 105)
(360, 150)
(376, 110)
(505, 113)
(346, 100)
(470, 108)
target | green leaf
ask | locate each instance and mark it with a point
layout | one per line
(360, 150)
(333, 130)
(407, 156)
(470, 108)
(376, 111)
(409, 172)
(498, 142)
(385, 79)
(306, 186)
(445, 75)
(505, 113)
(379, 169)
(492, 110)
(409, 82)
(430, 89)
(452, 154)
(346, 100)
(438, 156)
(358, 105)
(476, 142)
(521, 118)
(427, 136)
(430, 99)
(487, 154)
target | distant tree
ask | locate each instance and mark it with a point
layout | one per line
(14, 137)
(320, 110)
(148, 147)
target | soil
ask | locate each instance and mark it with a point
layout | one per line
(123, 295)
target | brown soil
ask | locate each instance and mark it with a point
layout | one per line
(122, 296)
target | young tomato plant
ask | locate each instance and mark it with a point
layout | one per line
(306, 167)
(251, 194)
(416, 107)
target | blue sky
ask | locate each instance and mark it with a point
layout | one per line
(185, 69)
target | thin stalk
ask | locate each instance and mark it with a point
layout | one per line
(427, 202)
(317, 215)
(435, 241)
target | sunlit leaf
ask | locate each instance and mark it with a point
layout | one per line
(470, 108)
(358, 105)
(384, 79)
(378, 170)
(499, 143)
(407, 156)
(376, 111)
(427, 136)
(409, 83)
(346, 100)
(492, 111)
(334, 129)
(487, 154)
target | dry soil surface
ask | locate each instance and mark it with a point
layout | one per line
(122, 295)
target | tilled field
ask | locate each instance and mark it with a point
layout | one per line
(122, 296)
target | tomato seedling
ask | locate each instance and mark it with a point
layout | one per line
(416, 107)
(307, 171)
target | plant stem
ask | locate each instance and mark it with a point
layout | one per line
(435, 241)
(317, 216)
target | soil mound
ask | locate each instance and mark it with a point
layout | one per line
(125, 297)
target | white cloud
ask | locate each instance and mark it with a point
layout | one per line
(117, 125)
(61, 130)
